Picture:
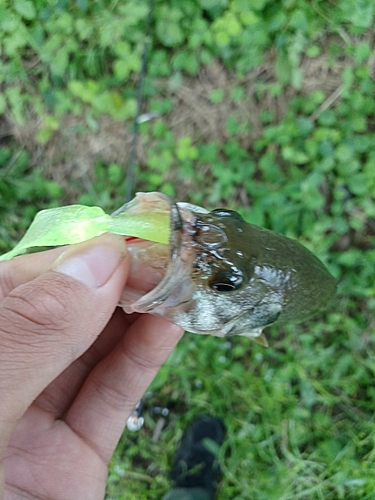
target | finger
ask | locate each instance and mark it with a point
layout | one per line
(20, 270)
(112, 389)
(59, 395)
(49, 322)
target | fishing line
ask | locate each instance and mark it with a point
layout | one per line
(136, 122)
(135, 421)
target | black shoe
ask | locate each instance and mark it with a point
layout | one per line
(195, 465)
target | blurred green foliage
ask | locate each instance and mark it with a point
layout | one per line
(299, 414)
(68, 56)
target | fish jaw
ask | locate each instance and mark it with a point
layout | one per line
(206, 313)
(175, 288)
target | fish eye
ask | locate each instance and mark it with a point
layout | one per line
(226, 281)
(223, 212)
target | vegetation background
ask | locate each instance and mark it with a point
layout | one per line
(263, 106)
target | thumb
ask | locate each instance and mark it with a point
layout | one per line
(49, 322)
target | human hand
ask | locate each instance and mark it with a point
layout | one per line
(72, 368)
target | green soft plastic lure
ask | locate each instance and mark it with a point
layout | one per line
(77, 223)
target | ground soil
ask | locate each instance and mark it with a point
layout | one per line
(71, 154)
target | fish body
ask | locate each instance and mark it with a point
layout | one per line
(224, 276)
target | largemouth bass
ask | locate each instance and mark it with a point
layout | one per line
(220, 275)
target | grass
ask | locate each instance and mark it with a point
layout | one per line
(299, 415)
(267, 110)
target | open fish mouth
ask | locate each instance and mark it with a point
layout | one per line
(162, 271)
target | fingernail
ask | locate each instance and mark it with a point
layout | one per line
(92, 262)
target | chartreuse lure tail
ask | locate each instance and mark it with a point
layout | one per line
(77, 223)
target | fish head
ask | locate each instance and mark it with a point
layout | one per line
(224, 276)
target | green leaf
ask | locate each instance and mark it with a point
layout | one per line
(313, 51)
(60, 62)
(362, 52)
(344, 153)
(360, 13)
(171, 35)
(233, 27)
(25, 8)
(121, 69)
(217, 95)
(115, 174)
(14, 42)
(208, 153)
(299, 20)
(186, 61)
(168, 26)
(292, 155)
(248, 17)
(237, 94)
(222, 38)
(358, 184)
(185, 149)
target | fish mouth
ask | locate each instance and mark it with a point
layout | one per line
(160, 275)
